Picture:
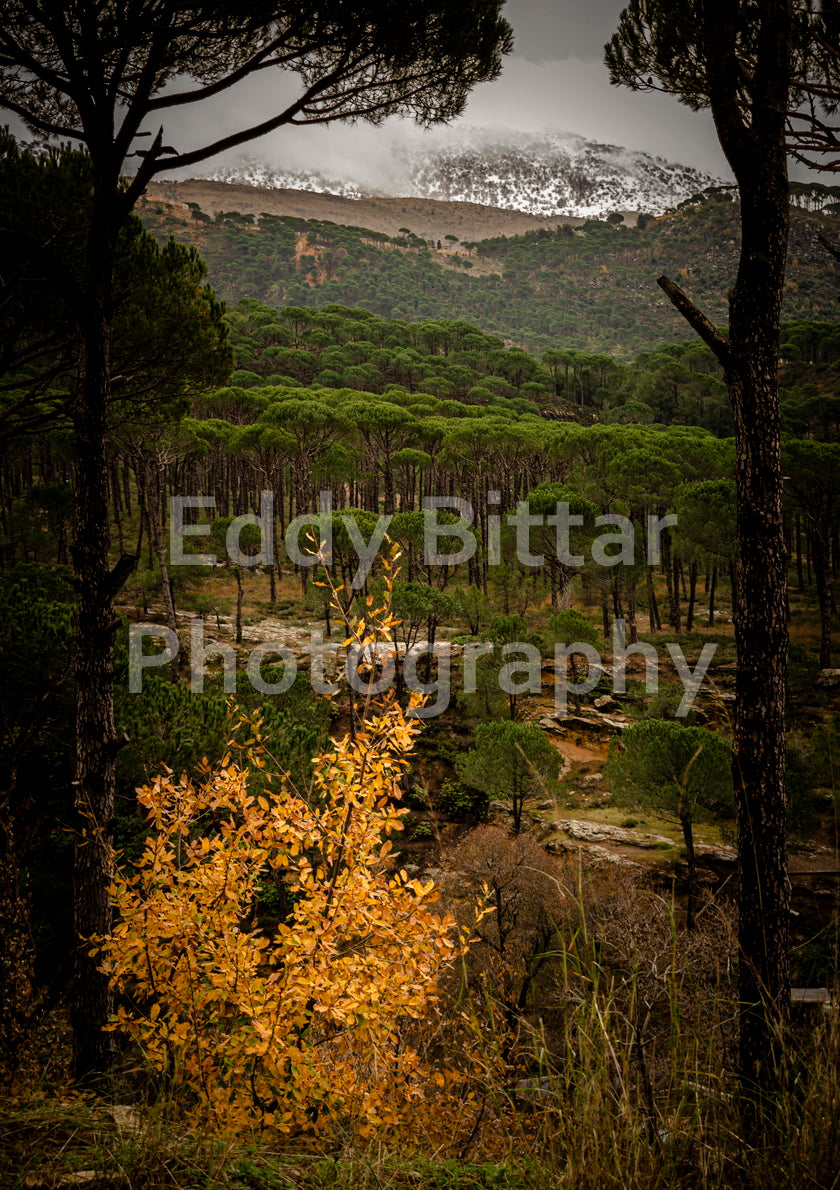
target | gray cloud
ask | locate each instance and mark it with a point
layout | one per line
(551, 30)
(570, 95)
(575, 95)
(554, 79)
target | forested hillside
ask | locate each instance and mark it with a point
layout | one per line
(590, 287)
(454, 364)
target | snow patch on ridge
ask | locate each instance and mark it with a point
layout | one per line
(549, 173)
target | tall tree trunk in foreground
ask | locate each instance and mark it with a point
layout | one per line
(761, 626)
(750, 360)
(748, 64)
(96, 584)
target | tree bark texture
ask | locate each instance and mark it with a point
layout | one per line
(756, 152)
(95, 734)
(761, 630)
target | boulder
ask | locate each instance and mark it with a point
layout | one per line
(594, 853)
(828, 679)
(604, 832)
(720, 853)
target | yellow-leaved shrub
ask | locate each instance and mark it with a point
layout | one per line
(307, 1025)
(303, 1025)
(300, 1024)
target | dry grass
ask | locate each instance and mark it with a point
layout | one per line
(626, 1053)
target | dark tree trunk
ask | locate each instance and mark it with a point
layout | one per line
(238, 572)
(95, 733)
(517, 802)
(388, 485)
(822, 574)
(761, 630)
(712, 587)
(148, 477)
(631, 612)
(756, 151)
(692, 596)
(653, 606)
(808, 558)
(669, 566)
(734, 579)
(274, 566)
(115, 498)
(618, 607)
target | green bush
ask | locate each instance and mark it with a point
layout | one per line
(461, 802)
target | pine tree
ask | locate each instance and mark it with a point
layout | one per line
(760, 68)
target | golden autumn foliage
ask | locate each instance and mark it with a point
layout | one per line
(303, 1024)
(301, 1021)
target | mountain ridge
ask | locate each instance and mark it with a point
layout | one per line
(546, 174)
(426, 217)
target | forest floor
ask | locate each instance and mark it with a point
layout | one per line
(75, 1140)
(583, 745)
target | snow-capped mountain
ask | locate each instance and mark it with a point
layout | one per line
(551, 173)
(556, 174)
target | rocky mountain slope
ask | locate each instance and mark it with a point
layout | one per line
(553, 173)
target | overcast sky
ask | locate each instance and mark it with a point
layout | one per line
(554, 79)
